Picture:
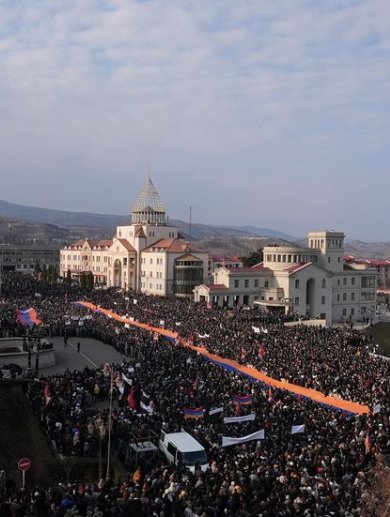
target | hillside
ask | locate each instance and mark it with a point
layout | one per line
(83, 224)
(368, 249)
(236, 245)
(30, 224)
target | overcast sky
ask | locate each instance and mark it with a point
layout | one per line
(270, 113)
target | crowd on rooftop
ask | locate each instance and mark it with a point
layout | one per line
(324, 471)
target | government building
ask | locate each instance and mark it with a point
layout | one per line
(148, 255)
(313, 281)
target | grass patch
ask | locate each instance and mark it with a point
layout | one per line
(381, 335)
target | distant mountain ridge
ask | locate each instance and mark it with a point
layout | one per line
(20, 223)
(107, 223)
(60, 217)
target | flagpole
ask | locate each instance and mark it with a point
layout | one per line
(109, 421)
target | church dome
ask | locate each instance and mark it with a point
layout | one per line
(148, 207)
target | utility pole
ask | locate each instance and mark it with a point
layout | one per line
(190, 223)
(1, 268)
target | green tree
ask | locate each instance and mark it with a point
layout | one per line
(51, 274)
(253, 258)
(37, 270)
(89, 284)
(44, 274)
(83, 280)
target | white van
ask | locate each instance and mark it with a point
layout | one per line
(183, 448)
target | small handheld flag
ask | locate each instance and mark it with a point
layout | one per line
(242, 400)
(193, 413)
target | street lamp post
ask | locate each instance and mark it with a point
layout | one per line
(37, 351)
(100, 456)
(109, 419)
(1, 268)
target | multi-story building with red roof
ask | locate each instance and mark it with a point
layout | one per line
(313, 281)
(147, 255)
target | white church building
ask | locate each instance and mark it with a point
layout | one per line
(147, 255)
(313, 281)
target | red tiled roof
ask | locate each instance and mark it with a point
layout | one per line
(140, 233)
(377, 262)
(173, 246)
(261, 265)
(126, 244)
(220, 258)
(297, 267)
(76, 244)
(369, 262)
(213, 287)
(187, 256)
(92, 242)
(247, 270)
(105, 242)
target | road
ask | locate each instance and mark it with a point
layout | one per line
(92, 354)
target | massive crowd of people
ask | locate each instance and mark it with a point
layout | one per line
(324, 471)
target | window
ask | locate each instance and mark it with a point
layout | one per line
(344, 297)
(256, 283)
(368, 281)
(352, 311)
(344, 281)
(338, 297)
(353, 297)
(297, 283)
(323, 283)
(344, 312)
(124, 261)
(328, 260)
(246, 283)
(151, 261)
(236, 283)
(296, 301)
(266, 283)
(171, 449)
(323, 315)
(323, 300)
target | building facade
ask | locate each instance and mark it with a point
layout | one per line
(313, 281)
(25, 258)
(147, 255)
(382, 267)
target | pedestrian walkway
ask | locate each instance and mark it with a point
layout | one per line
(92, 354)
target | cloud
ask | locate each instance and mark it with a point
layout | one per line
(235, 105)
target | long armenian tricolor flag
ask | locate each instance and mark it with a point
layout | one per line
(247, 371)
(242, 400)
(28, 317)
(193, 413)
